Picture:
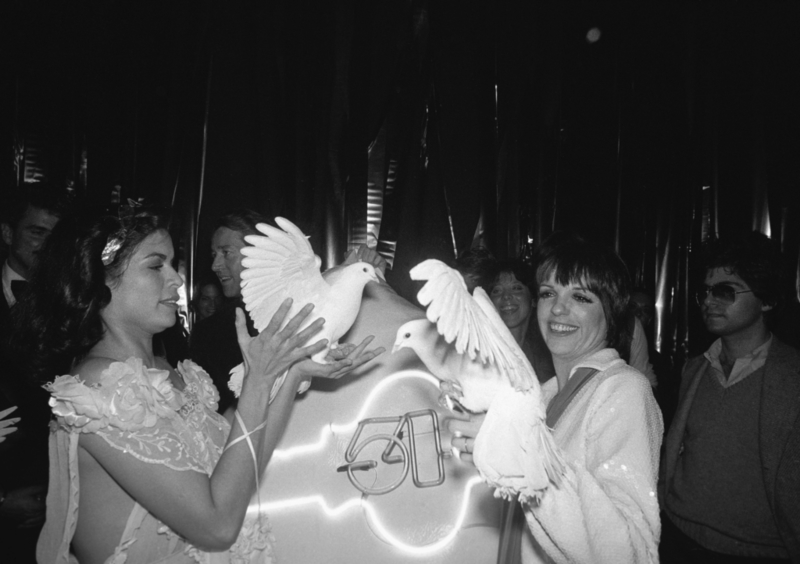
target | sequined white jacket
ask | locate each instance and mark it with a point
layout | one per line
(606, 510)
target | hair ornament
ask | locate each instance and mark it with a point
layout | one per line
(114, 242)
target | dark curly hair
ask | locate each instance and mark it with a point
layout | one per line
(521, 270)
(571, 259)
(58, 321)
(476, 263)
(754, 258)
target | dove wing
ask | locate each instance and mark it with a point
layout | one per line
(278, 265)
(471, 321)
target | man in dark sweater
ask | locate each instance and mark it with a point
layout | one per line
(730, 487)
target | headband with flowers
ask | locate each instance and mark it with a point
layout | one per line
(115, 240)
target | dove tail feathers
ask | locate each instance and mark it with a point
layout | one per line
(554, 463)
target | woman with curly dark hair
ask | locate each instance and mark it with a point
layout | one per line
(142, 468)
(511, 294)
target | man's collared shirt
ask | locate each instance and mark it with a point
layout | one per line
(743, 366)
(9, 275)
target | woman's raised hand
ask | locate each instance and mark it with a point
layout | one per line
(273, 351)
(464, 429)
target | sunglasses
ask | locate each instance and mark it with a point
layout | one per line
(722, 292)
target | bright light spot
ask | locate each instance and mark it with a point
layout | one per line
(593, 35)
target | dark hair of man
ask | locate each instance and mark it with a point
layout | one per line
(58, 321)
(521, 270)
(754, 258)
(40, 196)
(476, 262)
(573, 260)
(242, 220)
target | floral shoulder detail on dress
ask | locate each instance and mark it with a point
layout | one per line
(199, 384)
(137, 410)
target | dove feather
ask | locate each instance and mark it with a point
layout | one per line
(512, 360)
(278, 266)
(470, 322)
(492, 374)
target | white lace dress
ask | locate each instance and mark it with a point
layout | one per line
(136, 410)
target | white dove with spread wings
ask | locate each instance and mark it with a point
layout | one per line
(478, 360)
(281, 264)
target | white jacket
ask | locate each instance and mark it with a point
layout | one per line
(606, 510)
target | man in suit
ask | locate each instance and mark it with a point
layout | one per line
(26, 224)
(730, 487)
(213, 343)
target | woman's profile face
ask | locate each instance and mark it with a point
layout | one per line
(145, 297)
(571, 319)
(512, 299)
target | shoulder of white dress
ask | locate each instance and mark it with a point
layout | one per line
(200, 381)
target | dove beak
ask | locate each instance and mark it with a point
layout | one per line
(397, 347)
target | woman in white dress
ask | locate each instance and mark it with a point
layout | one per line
(142, 468)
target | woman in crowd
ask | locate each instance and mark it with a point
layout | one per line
(208, 298)
(143, 469)
(510, 291)
(602, 412)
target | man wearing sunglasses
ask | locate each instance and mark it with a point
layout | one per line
(731, 466)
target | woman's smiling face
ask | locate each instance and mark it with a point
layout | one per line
(512, 299)
(572, 321)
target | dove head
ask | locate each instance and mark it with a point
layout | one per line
(415, 335)
(360, 272)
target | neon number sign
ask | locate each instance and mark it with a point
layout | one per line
(400, 451)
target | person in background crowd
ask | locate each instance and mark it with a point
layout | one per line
(208, 299)
(639, 354)
(731, 469)
(213, 343)
(510, 293)
(660, 364)
(27, 222)
(476, 267)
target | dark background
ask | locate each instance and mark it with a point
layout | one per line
(442, 122)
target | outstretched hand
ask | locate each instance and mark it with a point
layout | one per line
(6, 425)
(345, 358)
(274, 350)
